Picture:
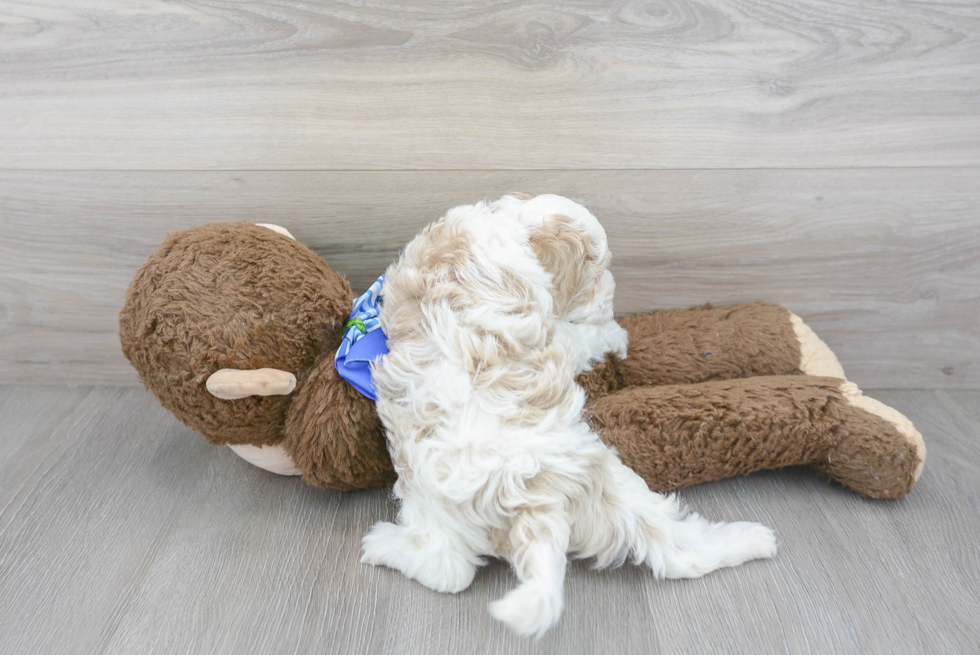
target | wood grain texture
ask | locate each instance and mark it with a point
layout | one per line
(884, 264)
(826, 156)
(121, 531)
(319, 84)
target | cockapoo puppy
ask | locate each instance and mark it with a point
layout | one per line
(491, 312)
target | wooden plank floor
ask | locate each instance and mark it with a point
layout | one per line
(122, 532)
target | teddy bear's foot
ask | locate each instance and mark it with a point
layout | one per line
(270, 458)
(816, 358)
(893, 468)
(901, 422)
(882, 454)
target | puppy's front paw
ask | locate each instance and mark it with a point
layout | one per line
(617, 339)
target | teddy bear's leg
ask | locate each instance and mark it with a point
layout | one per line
(677, 435)
(713, 343)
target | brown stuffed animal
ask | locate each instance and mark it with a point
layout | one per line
(235, 326)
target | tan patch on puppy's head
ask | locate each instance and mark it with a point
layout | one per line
(573, 259)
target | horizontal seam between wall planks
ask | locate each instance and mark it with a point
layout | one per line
(482, 170)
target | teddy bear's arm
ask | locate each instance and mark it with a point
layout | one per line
(333, 433)
(678, 435)
(713, 343)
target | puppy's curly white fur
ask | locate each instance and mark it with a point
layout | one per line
(491, 313)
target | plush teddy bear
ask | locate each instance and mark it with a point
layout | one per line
(235, 327)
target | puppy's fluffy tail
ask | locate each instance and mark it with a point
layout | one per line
(530, 609)
(539, 542)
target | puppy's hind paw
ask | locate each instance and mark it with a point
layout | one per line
(701, 547)
(748, 541)
(380, 546)
(430, 559)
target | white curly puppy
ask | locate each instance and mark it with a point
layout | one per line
(491, 312)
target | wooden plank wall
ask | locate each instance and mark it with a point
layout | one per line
(824, 155)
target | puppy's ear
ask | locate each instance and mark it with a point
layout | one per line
(568, 254)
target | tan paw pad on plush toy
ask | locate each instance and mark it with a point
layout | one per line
(816, 358)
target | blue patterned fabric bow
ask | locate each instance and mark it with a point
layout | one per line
(364, 341)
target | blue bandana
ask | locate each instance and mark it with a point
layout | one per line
(364, 341)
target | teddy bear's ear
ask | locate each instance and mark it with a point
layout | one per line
(277, 228)
(232, 383)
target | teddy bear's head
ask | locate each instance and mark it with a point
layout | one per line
(230, 296)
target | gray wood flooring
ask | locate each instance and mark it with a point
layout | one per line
(123, 532)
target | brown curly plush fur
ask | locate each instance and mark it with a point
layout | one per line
(700, 344)
(682, 434)
(184, 319)
(704, 393)
(334, 435)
